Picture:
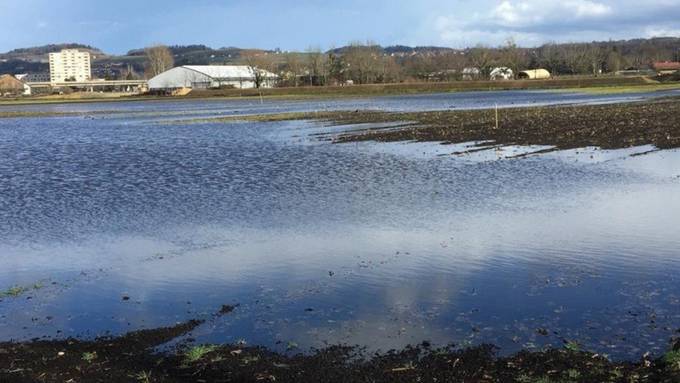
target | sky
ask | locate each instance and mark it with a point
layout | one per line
(121, 25)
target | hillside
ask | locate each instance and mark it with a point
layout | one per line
(413, 62)
(40, 53)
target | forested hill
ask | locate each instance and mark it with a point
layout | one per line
(37, 53)
(398, 62)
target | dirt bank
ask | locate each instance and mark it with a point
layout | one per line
(131, 358)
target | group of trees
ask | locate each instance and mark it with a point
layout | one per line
(358, 63)
(159, 59)
(368, 63)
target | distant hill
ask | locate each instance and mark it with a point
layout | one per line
(40, 53)
(198, 54)
(637, 53)
(403, 50)
(36, 60)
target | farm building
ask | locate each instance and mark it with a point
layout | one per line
(534, 74)
(9, 85)
(471, 73)
(211, 76)
(666, 67)
(501, 73)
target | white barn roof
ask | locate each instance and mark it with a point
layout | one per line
(190, 76)
(225, 71)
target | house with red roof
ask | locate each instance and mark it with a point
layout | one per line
(666, 67)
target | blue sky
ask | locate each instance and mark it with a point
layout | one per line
(116, 26)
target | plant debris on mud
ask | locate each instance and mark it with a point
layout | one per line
(564, 127)
(132, 358)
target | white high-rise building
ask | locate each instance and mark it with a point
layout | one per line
(70, 65)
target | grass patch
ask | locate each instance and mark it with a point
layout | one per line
(13, 292)
(197, 353)
(16, 291)
(572, 347)
(672, 359)
(143, 377)
(624, 89)
(89, 357)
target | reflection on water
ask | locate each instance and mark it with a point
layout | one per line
(374, 244)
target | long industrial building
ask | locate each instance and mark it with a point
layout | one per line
(211, 76)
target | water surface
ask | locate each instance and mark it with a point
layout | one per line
(380, 245)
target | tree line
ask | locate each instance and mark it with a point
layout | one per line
(369, 63)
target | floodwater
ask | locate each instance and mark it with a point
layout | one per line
(379, 245)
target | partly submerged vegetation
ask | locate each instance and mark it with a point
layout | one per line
(16, 291)
(131, 358)
(564, 127)
(610, 126)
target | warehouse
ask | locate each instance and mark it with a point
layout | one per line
(212, 76)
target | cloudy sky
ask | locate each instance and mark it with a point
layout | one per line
(119, 25)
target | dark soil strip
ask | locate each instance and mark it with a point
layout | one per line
(566, 127)
(131, 358)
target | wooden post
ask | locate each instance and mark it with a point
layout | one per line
(496, 116)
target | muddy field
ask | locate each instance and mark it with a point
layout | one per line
(131, 358)
(564, 127)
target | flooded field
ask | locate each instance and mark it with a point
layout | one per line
(114, 222)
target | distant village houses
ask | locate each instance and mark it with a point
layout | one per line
(501, 73)
(666, 67)
(11, 86)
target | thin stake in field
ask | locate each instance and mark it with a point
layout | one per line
(496, 116)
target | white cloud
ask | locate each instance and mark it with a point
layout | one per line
(658, 31)
(531, 12)
(534, 22)
(456, 33)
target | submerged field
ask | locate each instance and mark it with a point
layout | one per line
(609, 126)
(592, 85)
(604, 126)
(274, 229)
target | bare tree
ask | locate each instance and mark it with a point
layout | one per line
(158, 60)
(480, 57)
(391, 70)
(294, 68)
(615, 61)
(550, 58)
(513, 57)
(259, 63)
(363, 62)
(576, 58)
(596, 58)
(317, 66)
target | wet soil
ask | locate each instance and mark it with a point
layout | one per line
(564, 127)
(135, 358)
